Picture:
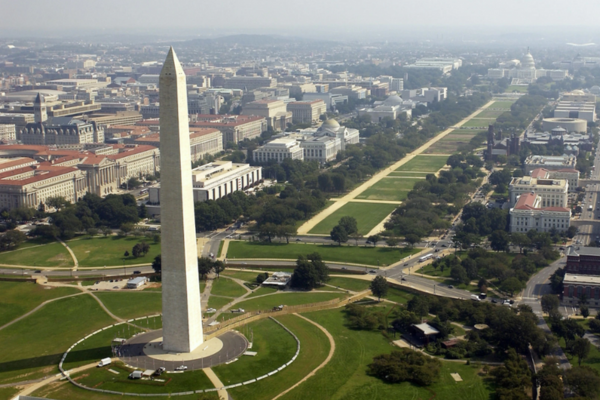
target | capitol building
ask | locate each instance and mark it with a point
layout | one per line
(524, 71)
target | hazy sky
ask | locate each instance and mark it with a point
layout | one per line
(203, 17)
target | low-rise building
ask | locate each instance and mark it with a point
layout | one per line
(550, 162)
(582, 277)
(235, 128)
(278, 150)
(216, 180)
(529, 213)
(553, 192)
(8, 133)
(274, 111)
(570, 175)
(203, 142)
(306, 112)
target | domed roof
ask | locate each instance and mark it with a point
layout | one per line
(528, 62)
(393, 100)
(568, 148)
(330, 124)
(578, 92)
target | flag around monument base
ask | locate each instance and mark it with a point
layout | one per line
(182, 318)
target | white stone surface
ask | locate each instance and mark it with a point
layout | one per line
(182, 319)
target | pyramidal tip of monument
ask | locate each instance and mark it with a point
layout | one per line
(171, 64)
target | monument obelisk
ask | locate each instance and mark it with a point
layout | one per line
(182, 319)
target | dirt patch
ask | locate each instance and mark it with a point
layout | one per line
(153, 285)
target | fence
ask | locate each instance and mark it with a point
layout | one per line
(244, 319)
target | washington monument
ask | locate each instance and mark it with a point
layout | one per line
(182, 319)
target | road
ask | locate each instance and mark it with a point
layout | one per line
(538, 286)
(589, 224)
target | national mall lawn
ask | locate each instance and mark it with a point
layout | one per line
(347, 253)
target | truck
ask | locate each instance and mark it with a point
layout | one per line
(104, 362)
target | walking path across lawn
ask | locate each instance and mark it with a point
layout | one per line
(324, 363)
(310, 224)
(35, 386)
(371, 201)
(75, 262)
(217, 382)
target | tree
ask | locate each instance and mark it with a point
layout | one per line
(512, 378)
(581, 348)
(157, 264)
(520, 240)
(392, 241)
(106, 230)
(374, 239)
(584, 381)
(356, 237)
(349, 224)
(339, 182)
(219, 267)
(133, 183)
(584, 310)
(379, 287)
(511, 285)
(459, 274)
(137, 250)
(267, 231)
(11, 240)
(205, 266)
(310, 271)
(57, 202)
(260, 278)
(339, 234)
(92, 231)
(126, 228)
(412, 239)
(550, 302)
(406, 365)
(126, 254)
(500, 240)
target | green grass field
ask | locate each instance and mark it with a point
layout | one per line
(98, 252)
(275, 347)
(262, 291)
(19, 298)
(516, 88)
(245, 276)
(288, 299)
(424, 164)
(489, 114)
(479, 122)
(466, 138)
(65, 390)
(502, 104)
(350, 254)
(357, 285)
(49, 255)
(218, 302)
(367, 215)
(345, 377)
(313, 350)
(389, 189)
(133, 304)
(227, 287)
(32, 347)
(409, 174)
(399, 295)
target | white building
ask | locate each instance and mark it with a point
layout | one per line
(8, 133)
(216, 180)
(576, 104)
(306, 112)
(552, 192)
(529, 213)
(392, 107)
(524, 71)
(445, 65)
(327, 141)
(278, 150)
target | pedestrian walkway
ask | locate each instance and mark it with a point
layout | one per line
(217, 383)
(75, 262)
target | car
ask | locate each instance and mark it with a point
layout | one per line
(372, 271)
(403, 279)
(112, 280)
(115, 287)
(210, 310)
(444, 245)
(137, 272)
(494, 301)
(37, 272)
(298, 240)
(159, 371)
(450, 287)
(238, 310)
(181, 368)
(344, 267)
(97, 282)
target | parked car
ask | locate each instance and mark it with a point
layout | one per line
(450, 287)
(238, 310)
(137, 272)
(210, 310)
(372, 271)
(181, 368)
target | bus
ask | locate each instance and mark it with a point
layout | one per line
(425, 258)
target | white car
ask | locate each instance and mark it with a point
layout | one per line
(181, 368)
(210, 310)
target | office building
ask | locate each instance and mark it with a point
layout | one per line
(249, 82)
(306, 112)
(8, 133)
(550, 162)
(530, 213)
(582, 277)
(552, 192)
(274, 111)
(235, 128)
(278, 150)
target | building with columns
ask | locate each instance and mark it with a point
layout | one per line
(306, 112)
(528, 213)
(278, 150)
(553, 192)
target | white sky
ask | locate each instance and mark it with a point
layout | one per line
(268, 16)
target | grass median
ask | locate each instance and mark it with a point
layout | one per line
(128, 305)
(48, 255)
(110, 251)
(350, 254)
